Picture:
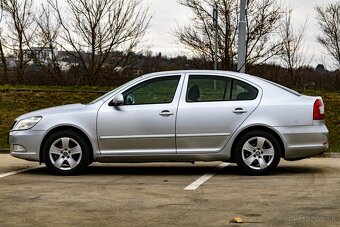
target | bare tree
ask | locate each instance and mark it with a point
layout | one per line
(292, 53)
(3, 60)
(2, 52)
(48, 33)
(19, 19)
(329, 22)
(94, 29)
(263, 21)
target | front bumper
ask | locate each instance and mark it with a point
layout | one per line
(26, 144)
(304, 141)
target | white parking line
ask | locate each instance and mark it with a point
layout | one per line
(194, 185)
(18, 171)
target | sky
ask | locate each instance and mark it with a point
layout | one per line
(168, 14)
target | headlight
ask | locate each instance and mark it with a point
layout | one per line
(27, 123)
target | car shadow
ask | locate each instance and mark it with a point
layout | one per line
(297, 170)
(280, 170)
(175, 169)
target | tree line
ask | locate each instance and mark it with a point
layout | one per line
(102, 40)
(87, 30)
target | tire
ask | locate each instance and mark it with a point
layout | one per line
(257, 152)
(66, 153)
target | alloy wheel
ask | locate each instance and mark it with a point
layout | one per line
(65, 153)
(258, 153)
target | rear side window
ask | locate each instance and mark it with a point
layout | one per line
(208, 88)
(204, 88)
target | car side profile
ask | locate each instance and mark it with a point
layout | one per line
(177, 116)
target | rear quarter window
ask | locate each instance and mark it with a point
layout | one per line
(243, 91)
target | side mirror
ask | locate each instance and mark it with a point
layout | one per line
(118, 100)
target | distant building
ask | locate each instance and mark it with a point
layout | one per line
(12, 62)
(41, 54)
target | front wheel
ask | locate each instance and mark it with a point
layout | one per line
(66, 153)
(257, 152)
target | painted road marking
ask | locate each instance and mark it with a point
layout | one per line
(18, 171)
(194, 185)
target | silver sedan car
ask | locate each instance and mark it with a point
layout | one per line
(181, 116)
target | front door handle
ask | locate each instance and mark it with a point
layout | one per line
(239, 111)
(166, 113)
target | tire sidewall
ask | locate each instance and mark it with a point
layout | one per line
(85, 158)
(238, 152)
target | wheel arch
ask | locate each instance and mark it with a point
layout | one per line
(253, 128)
(65, 127)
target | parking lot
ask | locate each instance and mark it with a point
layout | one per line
(300, 193)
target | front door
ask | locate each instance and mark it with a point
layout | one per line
(145, 123)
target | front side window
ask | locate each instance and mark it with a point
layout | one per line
(204, 88)
(153, 91)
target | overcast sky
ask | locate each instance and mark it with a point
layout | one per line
(168, 13)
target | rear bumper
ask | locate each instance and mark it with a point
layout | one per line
(304, 141)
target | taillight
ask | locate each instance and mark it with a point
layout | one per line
(319, 110)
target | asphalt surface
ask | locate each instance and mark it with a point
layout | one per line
(300, 193)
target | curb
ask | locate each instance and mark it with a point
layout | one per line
(4, 151)
(328, 155)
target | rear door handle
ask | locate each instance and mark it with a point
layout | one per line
(239, 111)
(166, 113)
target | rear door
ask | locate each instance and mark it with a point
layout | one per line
(210, 110)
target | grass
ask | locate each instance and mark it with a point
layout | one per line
(15, 101)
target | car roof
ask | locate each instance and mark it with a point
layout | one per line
(243, 76)
(215, 72)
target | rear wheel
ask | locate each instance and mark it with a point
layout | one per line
(66, 153)
(257, 152)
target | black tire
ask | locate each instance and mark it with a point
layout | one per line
(66, 153)
(257, 152)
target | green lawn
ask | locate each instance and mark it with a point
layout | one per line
(15, 101)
